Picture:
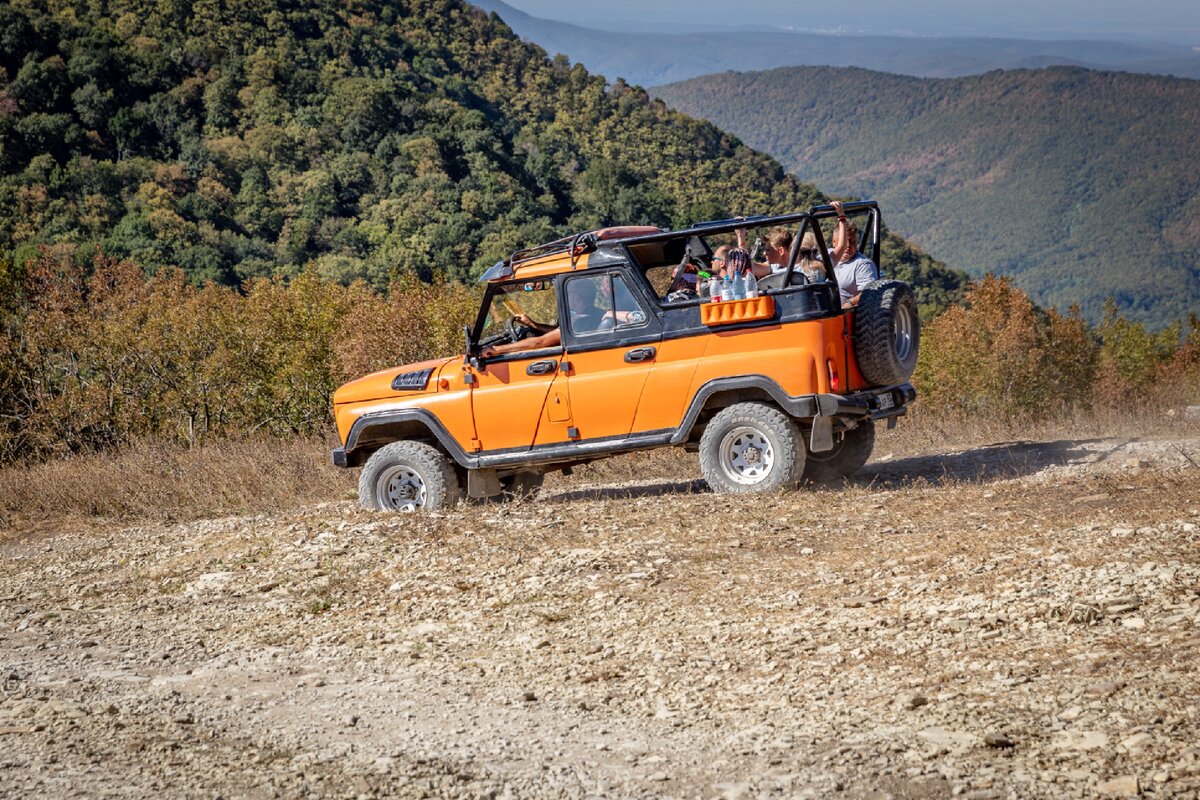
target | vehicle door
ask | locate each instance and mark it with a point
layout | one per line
(611, 340)
(510, 390)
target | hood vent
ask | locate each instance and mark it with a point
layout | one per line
(412, 381)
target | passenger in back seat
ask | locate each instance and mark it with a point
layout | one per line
(776, 245)
(808, 260)
(852, 269)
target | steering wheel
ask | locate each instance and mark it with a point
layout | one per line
(516, 330)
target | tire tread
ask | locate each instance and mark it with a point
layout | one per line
(442, 488)
(788, 442)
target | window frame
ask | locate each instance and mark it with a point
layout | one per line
(618, 328)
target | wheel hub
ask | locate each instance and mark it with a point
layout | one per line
(401, 488)
(746, 455)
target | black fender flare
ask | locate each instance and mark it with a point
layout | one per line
(807, 405)
(419, 415)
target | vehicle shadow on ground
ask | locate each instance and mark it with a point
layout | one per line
(994, 462)
(625, 492)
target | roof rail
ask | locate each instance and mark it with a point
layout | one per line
(576, 245)
(587, 241)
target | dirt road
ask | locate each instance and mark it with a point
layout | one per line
(1021, 620)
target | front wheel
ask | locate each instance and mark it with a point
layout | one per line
(846, 458)
(752, 447)
(408, 476)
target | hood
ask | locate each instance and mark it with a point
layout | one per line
(410, 379)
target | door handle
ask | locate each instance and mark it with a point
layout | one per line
(640, 354)
(541, 367)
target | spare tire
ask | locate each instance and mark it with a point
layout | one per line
(887, 332)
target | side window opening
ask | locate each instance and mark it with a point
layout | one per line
(660, 261)
(601, 303)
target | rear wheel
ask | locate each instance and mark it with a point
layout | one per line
(752, 447)
(847, 457)
(408, 476)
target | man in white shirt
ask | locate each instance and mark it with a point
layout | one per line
(852, 269)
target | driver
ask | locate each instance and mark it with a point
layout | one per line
(586, 317)
(581, 301)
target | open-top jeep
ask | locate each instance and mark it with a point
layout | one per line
(771, 390)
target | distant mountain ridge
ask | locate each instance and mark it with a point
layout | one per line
(652, 58)
(1080, 184)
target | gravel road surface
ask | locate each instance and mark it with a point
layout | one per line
(1020, 620)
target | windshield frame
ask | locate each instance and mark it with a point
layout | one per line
(498, 288)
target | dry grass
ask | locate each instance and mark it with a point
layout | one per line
(927, 432)
(159, 481)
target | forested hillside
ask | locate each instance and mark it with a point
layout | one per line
(367, 140)
(1082, 185)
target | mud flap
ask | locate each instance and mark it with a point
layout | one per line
(482, 483)
(822, 435)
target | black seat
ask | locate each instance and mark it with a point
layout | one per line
(775, 280)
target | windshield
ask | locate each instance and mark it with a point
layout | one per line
(534, 299)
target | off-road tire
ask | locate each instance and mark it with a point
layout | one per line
(847, 457)
(887, 332)
(751, 424)
(433, 469)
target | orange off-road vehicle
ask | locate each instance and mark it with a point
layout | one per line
(771, 390)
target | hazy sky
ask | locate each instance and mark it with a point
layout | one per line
(1176, 21)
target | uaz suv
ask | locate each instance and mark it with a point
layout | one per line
(772, 390)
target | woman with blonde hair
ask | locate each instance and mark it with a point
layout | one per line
(808, 260)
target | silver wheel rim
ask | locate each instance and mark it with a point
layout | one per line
(903, 326)
(400, 488)
(746, 456)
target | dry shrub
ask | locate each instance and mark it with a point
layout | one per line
(158, 480)
(415, 322)
(997, 356)
(99, 360)
(1138, 367)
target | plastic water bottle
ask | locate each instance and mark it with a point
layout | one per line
(714, 289)
(751, 284)
(739, 288)
(727, 288)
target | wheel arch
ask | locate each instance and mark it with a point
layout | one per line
(721, 393)
(372, 431)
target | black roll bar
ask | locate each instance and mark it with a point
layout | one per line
(730, 225)
(804, 218)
